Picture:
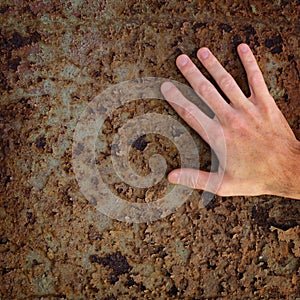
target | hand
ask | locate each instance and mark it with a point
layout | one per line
(262, 153)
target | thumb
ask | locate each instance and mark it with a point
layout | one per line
(195, 179)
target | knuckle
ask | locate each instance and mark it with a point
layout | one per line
(255, 78)
(268, 107)
(204, 88)
(188, 113)
(239, 130)
(210, 62)
(190, 70)
(226, 82)
(229, 115)
(249, 58)
(233, 119)
(193, 183)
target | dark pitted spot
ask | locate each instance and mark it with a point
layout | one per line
(250, 30)
(7, 180)
(24, 101)
(97, 73)
(278, 39)
(30, 218)
(173, 291)
(230, 207)
(13, 64)
(211, 266)
(113, 279)
(27, 9)
(4, 9)
(236, 40)
(116, 261)
(40, 142)
(177, 52)
(225, 27)
(18, 41)
(274, 43)
(277, 49)
(5, 271)
(260, 215)
(112, 297)
(250, 35)
(3, 44)
(269, 43)
(3, 82)
(3, 240)
(130, 282)
(287, 224)
(198, 25)
(156, 249)
(140, 143)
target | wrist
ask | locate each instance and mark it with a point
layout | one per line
(286, 176)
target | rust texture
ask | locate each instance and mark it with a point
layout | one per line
(56, 56)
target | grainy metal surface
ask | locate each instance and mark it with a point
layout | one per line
(56, 56)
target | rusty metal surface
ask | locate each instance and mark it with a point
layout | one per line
(56, 56)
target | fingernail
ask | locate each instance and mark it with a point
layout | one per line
(166, 86)
(204, 54)
(244, 48)
(182, 60)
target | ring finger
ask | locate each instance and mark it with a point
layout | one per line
(224, 80)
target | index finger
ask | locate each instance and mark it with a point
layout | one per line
(188, 111)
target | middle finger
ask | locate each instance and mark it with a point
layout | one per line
(203, 87)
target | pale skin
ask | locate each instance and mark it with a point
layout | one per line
(262, 152)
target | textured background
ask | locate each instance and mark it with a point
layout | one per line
(55, 57)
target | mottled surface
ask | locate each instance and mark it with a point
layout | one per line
(55, 57)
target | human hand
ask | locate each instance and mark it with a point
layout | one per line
(262, 153)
